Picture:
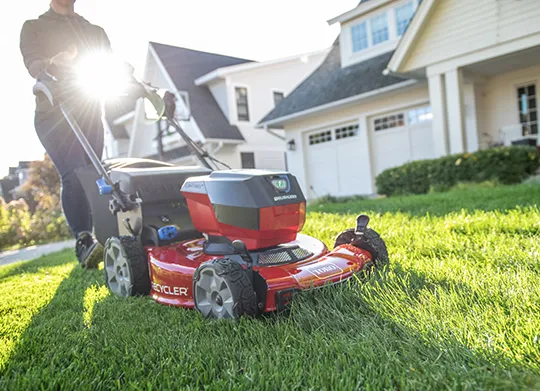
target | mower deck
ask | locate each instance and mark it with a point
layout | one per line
(172, 268)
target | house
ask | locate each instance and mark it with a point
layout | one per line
(11, 184)
(409, 80)
(219, 101)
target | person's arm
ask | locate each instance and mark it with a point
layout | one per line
(34, 59)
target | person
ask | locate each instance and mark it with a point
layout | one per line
(57, 39)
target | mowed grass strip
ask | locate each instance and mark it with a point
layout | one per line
(457, 308)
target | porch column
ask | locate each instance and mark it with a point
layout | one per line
(454, 102)
(437, 97)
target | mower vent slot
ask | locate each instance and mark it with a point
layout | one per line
(301, 253)
(283, 256)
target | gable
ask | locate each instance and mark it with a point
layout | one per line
(453, 28)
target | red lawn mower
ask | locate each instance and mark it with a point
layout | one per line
(226, 242)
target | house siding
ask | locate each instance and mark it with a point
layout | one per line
(463, 26)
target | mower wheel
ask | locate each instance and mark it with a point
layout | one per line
(370, 241)
(126, 267)
(222, 289)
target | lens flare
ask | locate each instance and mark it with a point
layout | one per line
(102, 76)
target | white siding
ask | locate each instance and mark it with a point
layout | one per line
(458, 27)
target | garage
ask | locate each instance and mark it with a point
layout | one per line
(400, 137)
(333, 162)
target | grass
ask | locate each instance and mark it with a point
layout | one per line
(457, 308)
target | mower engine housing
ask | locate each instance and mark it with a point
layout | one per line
(263, 208)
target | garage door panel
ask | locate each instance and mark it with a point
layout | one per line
(391, 148)
(354, 177)
(322, 171)
(422, 142)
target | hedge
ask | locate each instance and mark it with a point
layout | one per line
(506, 165)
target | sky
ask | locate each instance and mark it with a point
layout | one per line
(253, 29)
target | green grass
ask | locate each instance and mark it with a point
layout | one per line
(457, 308)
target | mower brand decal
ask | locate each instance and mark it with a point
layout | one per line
(325, 271)
(168, 290)
(194, 187)
(285, 197)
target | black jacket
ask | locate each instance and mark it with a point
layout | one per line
(52, 33)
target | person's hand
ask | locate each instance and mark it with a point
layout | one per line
(65, 58)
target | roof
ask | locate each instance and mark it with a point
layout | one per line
(357, 11)
(225, 71)
(184, 67)
(331, 83)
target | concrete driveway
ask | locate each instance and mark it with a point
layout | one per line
(32, 252)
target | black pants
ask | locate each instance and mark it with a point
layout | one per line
(67, 155)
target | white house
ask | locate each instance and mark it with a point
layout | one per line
(410, 80)
(225, 98)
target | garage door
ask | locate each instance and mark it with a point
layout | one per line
(401, 137)
(333, 162)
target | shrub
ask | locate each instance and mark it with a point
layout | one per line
(505, 165)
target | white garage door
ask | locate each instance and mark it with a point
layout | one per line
(334, 164)
(402, 137)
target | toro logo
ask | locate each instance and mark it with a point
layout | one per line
(174, 291)
(324, 271)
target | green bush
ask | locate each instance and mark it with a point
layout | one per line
(505, 165)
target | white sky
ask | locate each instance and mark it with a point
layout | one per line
(256, 30)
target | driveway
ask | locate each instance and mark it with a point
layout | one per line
(32, 252)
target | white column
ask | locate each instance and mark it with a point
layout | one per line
(456, 118)
(437, 97)
(471, 116)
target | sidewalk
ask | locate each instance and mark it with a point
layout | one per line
(32, 252)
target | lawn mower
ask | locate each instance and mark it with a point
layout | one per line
(226, 242)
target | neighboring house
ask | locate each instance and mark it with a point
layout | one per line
(225, 96)
(10, 184)
(461, 76)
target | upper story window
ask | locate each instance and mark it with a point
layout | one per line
(404, 14)
(278, 97)
(379, 29)
(388, 26)
(242, 104)
(359, 37)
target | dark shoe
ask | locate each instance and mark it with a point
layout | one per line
(89, 252)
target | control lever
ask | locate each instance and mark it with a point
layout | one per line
(241, 248)
(361, 224)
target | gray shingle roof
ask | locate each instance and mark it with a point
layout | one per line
(330, 83)
(186, 65)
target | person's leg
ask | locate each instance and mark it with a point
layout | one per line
(67, 155)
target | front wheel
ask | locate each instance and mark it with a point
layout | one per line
(223, 290)
(369, 240)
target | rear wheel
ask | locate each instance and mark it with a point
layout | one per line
(370, 241)
(126, 267)
(223, 290)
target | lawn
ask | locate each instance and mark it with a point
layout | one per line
(457, 308)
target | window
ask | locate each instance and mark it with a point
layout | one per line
(359, 37)
(248, 159)
(391, 121)
(347, 131)
(278, 97)
(321, 137)
(379, 29)
(404, 15)
(420, 114)
(242, 104)
(528, 116)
